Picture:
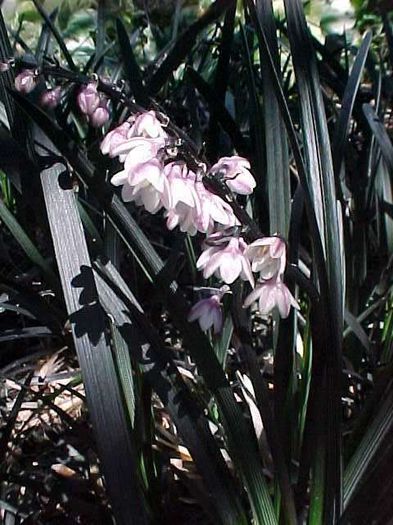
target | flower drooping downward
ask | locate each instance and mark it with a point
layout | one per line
(236, 173)
(208, 311)
(271, 294)
(227, 263)
(268, 257)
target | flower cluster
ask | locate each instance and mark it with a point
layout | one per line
(266, 256)
(153, 179)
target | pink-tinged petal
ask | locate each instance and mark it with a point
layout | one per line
(151, 200)
(246, 274)
(277, 247)
(99, 117)
(147, 125)
(88, 98)
(230, 268)
(217, 321)
(205, 257)
(127, 193)
(119, 178)
(267, 299)
(252, 297)
(197, 310)
(51, 98)
(206, 318)
(212, 265)
(283, 301)
(243, 184)
(172, 220)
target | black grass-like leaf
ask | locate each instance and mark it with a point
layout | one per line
(119, 462)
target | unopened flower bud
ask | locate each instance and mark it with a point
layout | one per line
(4, 66)
(25, 82)
(51, 98)
(100, 115)
(88, 99)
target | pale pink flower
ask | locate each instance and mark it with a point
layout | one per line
(267, 256)
(100, 115)
(226, 262)
(184, 217)
(147, 125)
(51, 98)
(146, 196)
(143, 183)
(181, 185)
(114, 138)
(138, 149)
(88, 98)
(236, 173)
(272, 294)
(212, 209)
(208, 313)
(25, 82)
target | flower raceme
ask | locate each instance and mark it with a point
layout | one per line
(152, 179)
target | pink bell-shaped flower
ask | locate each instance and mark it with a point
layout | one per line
(267, 256)
(227, 262)
(208, 313)
(114, 138)
(272, 294)
(236, 173)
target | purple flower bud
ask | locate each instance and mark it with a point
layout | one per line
(100, 115)
(88, 99)
(51, 98)
(25, 82)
